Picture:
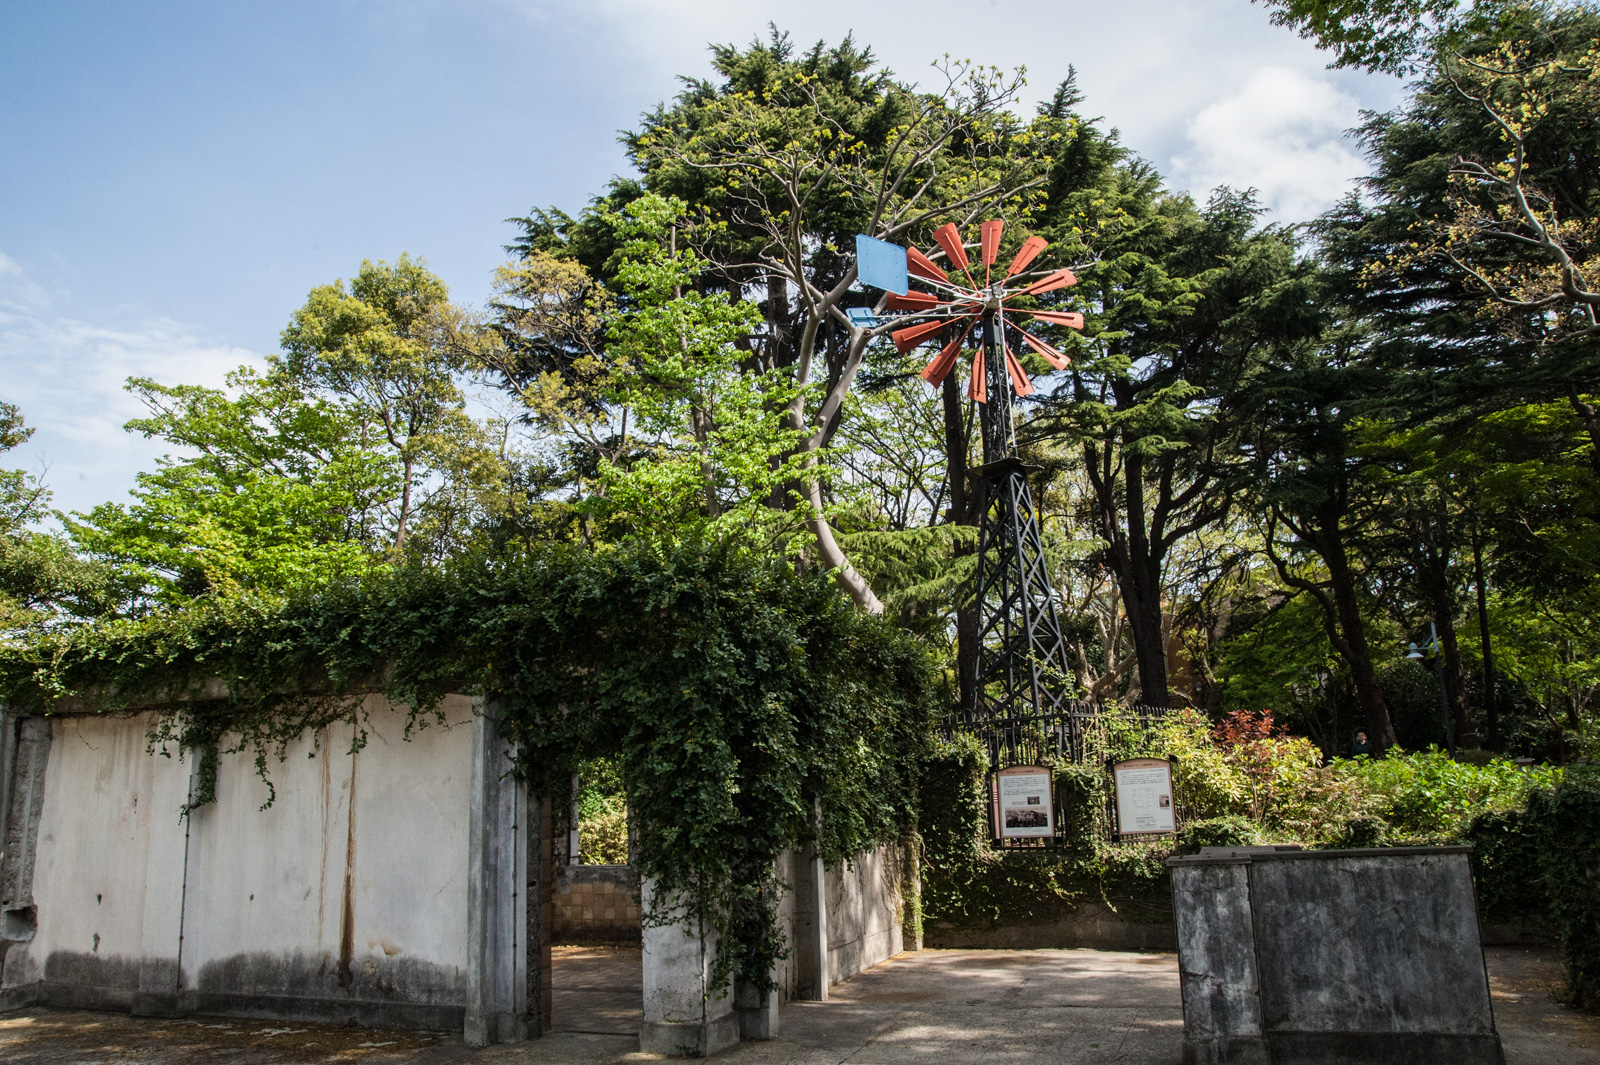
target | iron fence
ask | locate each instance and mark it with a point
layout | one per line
(1054, 738)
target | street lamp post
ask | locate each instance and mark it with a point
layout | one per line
(1416, 655)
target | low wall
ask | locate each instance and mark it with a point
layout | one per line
(1091, 924)
(596, 904)
(344, 900)
(684, 1015)
(865, 912)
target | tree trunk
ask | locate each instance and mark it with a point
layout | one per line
(1491, 709)
(963, 511)
(1455, 677)
(831, 554)
(1353, 630)
(1140, 584)
(1586, 412)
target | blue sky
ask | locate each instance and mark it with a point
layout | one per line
(175, 176)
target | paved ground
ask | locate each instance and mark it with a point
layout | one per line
(598, 990)
(937, 1007)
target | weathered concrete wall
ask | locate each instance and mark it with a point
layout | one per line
(1322, 956)
(343, 900)
(596, 904)
(865, 911)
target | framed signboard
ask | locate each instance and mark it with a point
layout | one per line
(1024, 805)
(1144, 796)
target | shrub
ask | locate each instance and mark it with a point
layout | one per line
(1231, 831)
(1361, 832)
(1506, 850)
(1080, 798)
(1426, 797)
(1570, 818)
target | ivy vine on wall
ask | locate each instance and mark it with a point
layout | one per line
(734, 692)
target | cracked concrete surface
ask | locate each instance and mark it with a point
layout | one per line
(934, 1007)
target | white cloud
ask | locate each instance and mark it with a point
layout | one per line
(17, 290)
(1282, 133)
(67, 377)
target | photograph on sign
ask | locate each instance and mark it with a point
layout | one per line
(1144, 796)
(1023, 807)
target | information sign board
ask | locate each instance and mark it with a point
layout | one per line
(1023, 803)
(1144, 796)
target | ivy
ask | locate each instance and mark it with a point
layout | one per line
(733, 692)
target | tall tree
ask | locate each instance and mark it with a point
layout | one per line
(389, 351)
(1185, 305)
(790, 156)
(1311, 490)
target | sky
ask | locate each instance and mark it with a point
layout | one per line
(175, 176)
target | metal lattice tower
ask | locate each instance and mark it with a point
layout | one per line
(1023, 678)
(1022, 669)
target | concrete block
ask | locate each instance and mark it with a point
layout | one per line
(758, 1014)
(684, 1015)
(1332, 956)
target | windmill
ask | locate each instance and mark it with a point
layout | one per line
(1023, 677)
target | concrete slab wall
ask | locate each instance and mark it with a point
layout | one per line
(1339, 955)
(343, 900)
(865, 912)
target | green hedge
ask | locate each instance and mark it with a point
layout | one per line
(1570, 830)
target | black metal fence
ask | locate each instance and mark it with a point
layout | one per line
(1050, 737)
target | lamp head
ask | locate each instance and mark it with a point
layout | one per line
(1416, 652)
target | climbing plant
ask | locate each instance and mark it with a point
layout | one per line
(736, 694)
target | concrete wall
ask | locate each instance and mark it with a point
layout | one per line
(865, 911)
(343, 900)
(596, 904)
(1313, 956)
(1090, 924)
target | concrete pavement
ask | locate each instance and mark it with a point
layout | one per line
(934, 1007)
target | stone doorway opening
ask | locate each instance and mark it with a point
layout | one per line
(597, 982)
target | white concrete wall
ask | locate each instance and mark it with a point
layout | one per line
(864, 911)
(345, 898)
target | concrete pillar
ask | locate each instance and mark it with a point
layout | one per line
(684, 1016)
(497, 895)
(541, 912)
(758, 1014)
(819, 892)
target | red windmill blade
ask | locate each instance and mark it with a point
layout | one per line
(949, 238)
(919, 264)
(936, 371)
(1070, 319)
(927, 316)
(1051, 355)
(989, 240)
(1026, 254)
(911, 301)
(1059, 279)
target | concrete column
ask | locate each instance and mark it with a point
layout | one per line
(497, 875)
(758, 1014)
(819, 891)
(541, 912)
(684, 1016)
